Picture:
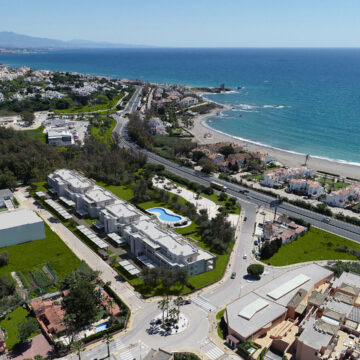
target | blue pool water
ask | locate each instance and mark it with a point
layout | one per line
(101, 327)
(164, 215)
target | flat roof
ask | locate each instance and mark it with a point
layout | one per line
(18, 218)
(98, 194)
(121, 209)
(288, 286)
(313, 336)
(251, 309)
(246, 327)
(315, 272)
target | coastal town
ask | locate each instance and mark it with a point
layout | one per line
(126, 233)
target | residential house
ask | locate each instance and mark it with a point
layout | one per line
(278, 176)
(342, 197)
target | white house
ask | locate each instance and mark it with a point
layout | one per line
(311, 188)
(341, 198)
(20, 226)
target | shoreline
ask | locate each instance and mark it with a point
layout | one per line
(286, 157)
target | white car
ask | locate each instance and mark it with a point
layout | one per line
(245, 256)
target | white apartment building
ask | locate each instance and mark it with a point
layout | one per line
(341, 198)
(146, 237)
(166, 248)
(278, 176)
(311, 188)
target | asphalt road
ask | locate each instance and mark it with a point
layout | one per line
(335, 226)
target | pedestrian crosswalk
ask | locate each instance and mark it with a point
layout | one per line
(203, 303)
(126, 355)
(211, 350)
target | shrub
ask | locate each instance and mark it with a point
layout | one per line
(255, 269)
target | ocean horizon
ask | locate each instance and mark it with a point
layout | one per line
(302, 100)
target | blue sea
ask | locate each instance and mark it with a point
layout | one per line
(300, 100)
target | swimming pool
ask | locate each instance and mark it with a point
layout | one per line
(101, 327)
(164, 215)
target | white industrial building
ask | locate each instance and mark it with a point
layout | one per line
(20, 226)
(60, 138)
(149, 241)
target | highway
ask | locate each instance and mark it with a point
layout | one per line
(335, 226)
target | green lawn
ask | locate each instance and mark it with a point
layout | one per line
(36, 134)
(215, 198)
(41, 186)
(122, 191)
(24, 257)
(109, 105)
(10, 325)
(340, 185)
(106, 136)
(316, 244)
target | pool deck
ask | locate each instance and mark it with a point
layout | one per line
(201, 203)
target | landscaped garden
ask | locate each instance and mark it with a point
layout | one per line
(10, 324)
(315, 244)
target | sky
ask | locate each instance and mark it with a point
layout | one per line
(189, 23)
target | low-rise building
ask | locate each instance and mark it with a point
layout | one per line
(20, 226)
(5, 194)
(257, 313)
(60, 138)
(145, 236)
(345, 196)
(278, 176)
(310, 188)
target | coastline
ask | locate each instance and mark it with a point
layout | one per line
(287, 158)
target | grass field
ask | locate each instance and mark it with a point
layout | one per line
(36, 134)
(10, 325)
(110, 104)
(106, 136)
(316, 244)
(52, 250)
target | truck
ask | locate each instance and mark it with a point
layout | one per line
(218, 186)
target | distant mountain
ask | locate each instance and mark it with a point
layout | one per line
(12, 40)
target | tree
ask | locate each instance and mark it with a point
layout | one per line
(28, 117)
(163, 305)
(4, 258)
(227, 150)
(207, 166)
(178, 302)
(140, 191)
(26, 328)
(174, 313)
(78, 347)
(82, 301)
(108, 339)
(255, 269)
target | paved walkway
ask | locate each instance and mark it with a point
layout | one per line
(200, 202)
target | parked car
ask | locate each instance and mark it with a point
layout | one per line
(245, 218)
(187, 301)
(256, 243)
(233, 275)
(245, 256)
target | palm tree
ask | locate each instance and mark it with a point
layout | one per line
(77, 347)
(108, 339)
(307, 158)
(163, 305)
(174, 313)
(179, 301)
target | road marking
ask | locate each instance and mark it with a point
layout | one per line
(127, 355)
(211, 350)
(203, 303)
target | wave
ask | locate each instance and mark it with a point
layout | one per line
(274, 106)
(340, 161)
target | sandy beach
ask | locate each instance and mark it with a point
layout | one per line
(285, 157)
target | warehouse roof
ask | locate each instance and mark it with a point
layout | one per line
(18, 218)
